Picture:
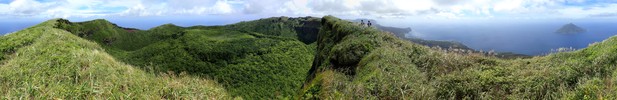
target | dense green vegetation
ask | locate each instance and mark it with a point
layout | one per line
(304, 29)
(281, 58)
(266, 58)
(43, 62)
(353, 62)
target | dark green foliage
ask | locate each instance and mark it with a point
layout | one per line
(442, 44)
(251, 67)
(43, 62)
(270, 58)
(304, 29)
(264, 59)
(110, 35)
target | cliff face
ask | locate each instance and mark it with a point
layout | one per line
(349, 57)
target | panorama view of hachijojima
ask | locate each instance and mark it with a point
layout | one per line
(308, 49)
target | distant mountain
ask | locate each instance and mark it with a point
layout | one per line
(400, 32)
(570, 29)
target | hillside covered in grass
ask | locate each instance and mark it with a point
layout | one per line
(43, 62)
(281, 58)
(354, 62)
(266, 58)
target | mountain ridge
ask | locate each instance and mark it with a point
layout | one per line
(365, 63)
(230, 54)
(281, 58)
(42, 62)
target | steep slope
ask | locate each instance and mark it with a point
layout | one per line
(43, 62)
(261, 59)
(354, 62)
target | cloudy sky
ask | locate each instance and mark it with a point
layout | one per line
(426, 9)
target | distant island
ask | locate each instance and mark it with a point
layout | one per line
(570, 29)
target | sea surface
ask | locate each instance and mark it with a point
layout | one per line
(533, 38)
(13, 26)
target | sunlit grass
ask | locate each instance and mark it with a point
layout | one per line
(47, 63)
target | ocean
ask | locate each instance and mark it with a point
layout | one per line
(533, 38)
(8, 27)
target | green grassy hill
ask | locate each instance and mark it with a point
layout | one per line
(265, 58)
(43, 62)
(354, 62)
(280, 58)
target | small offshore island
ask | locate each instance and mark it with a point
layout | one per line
(570, 29)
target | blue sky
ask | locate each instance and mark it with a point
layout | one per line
(251, 9)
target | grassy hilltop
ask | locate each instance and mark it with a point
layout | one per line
(43, 62)
(357, 62)
(281, 58)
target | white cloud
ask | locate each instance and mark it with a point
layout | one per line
(460, 8)
(379, 8)
(140, 10)
(25, 8)
(593, 11)
(451, 9)
(219, 7)
(89, 8)
(181, 7)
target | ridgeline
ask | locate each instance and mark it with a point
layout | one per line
(43, 62)
(353, 62)
(281, 58)
(262, 59)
